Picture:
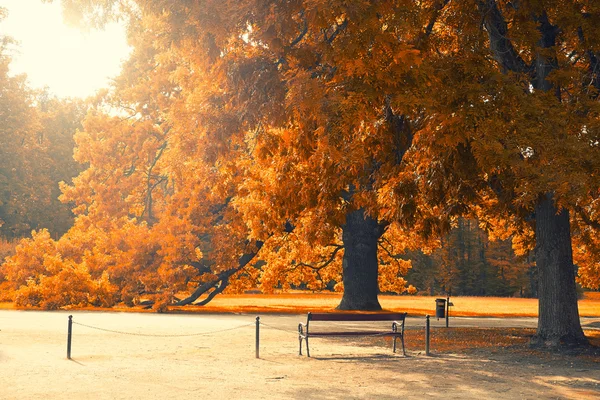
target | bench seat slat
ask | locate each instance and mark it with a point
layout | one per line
(353, 333)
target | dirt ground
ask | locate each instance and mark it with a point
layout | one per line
(217, 359)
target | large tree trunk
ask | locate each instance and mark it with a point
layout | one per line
(558, 313)
(558, 321)
(360, 235)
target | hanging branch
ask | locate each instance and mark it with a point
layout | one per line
(221, 280)
(325, 263)
(302, 33)
(586, 219)
(219, 283)
(388, 252)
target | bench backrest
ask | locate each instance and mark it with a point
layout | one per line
(356, 317)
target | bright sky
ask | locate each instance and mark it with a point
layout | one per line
(70, 62)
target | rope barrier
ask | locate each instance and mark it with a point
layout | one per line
(279, 329)
(71, 323)
(158, 335)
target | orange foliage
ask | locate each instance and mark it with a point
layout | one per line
(235, 119)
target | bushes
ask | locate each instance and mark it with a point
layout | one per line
(38, 276)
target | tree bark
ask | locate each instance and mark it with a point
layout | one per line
(360, 235)
(558, 321)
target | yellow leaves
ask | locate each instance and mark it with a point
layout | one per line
(411, 289)
(390, 275)
(42, 278)
(586, 243)
(294, 263)
(198, 253)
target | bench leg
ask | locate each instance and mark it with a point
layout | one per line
(307, 350)
(300, 349)
(403, 350)
(394, 348)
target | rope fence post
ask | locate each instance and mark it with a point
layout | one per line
(447, 309)
(257, 335)
(427, 335)
(69, 336)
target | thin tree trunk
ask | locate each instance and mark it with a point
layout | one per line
(558, 321)
(360, 235)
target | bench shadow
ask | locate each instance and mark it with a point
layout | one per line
(368, 358)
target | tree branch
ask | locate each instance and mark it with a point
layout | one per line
(243, 261)
(437, 9)
(302, 32)
(338, 29)
(501, 46)
(394, 257)
(594, 67)
(222, 278)
(325, 263)
(218, 289)
(400, 127)
(544, 64)
(587, 220)
(149, 186)
(200, 267)
(436, 12)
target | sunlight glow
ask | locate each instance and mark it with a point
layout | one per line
(71, 63)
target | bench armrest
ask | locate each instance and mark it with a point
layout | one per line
(397, 324)
(302, 328)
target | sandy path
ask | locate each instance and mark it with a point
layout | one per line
(109, 365)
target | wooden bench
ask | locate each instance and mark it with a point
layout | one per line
(397, 329)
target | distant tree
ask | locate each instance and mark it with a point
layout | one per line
(60, 119)
(36, 147)
(468, 263)
(17, 149)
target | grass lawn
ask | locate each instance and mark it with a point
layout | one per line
(301, 302)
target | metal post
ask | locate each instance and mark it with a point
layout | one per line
(257, 335)
(447, 309)
(427, 328)
(69, 335)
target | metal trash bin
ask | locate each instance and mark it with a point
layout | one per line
(440, 308)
